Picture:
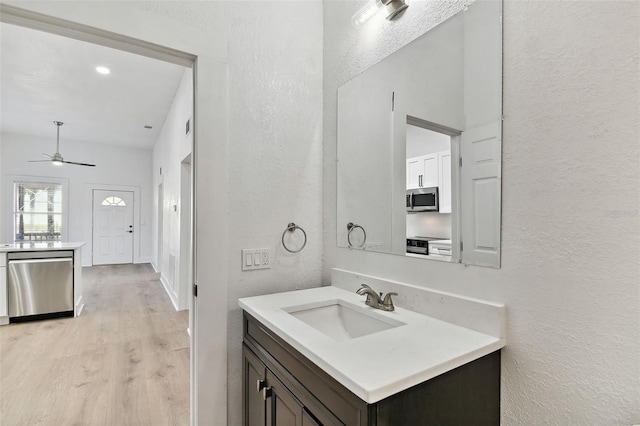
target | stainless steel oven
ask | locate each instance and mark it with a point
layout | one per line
(422, 245)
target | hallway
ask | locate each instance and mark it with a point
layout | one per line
(124, 361)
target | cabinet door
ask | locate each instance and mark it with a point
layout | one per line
(254, 379)
(308, 420)
(430, 166)
(444, 163)
(415, 170)
(283, 409)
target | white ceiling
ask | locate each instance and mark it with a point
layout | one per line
(46, 78)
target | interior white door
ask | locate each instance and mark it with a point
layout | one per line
(480, 149)
(112, 227)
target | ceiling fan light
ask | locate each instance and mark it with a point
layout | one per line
(56, 162)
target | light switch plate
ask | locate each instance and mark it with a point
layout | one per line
(256, 259)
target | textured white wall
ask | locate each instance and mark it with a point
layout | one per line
(571, 186)
(172, 146)
(275, 146)
(115, 165)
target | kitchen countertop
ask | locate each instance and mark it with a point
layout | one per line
(39, 246)
(439, 257)
(377, 365)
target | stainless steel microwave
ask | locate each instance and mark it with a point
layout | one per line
(422, 200)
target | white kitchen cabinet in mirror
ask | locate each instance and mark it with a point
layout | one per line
(448, 82)
(422, 172)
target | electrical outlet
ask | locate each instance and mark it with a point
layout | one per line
(256, 259)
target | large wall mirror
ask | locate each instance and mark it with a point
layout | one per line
(419, 145)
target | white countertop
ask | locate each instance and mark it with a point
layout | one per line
(39, 246)
(377, 365)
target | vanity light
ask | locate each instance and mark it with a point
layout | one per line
(391, 7)
(394, 8)
(103, 70)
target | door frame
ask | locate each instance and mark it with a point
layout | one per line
(88, 232)
(186, 232)
(159, 228)
(112, 25)
(93, 219)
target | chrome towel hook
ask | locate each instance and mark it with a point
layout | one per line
(351, 226)
(291, 228)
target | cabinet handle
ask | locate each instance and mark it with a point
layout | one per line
(420, 181)
(266, 393)
(260, 384)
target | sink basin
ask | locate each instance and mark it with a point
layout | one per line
(341, 320)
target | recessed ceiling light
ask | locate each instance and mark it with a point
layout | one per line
(103, 70)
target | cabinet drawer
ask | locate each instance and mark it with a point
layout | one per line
(311, 384)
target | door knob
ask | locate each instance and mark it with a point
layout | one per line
(130, 232)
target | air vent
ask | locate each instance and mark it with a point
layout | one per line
(146, 126)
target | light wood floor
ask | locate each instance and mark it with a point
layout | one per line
(124, 361)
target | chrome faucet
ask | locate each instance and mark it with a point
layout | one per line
(376, 301)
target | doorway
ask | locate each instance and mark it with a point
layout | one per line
(94, 22)
(185, 275)
(112, 227)
(160, 234)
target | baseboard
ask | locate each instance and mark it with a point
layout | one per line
(79, 307)
(172, 297)
(143, 260)
(155, 267)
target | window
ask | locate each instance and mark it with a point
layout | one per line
(114, 202)
(38, 211)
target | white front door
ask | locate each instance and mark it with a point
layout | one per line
(112, 227)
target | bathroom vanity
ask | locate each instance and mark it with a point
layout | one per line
(320, 356)
(40, 280)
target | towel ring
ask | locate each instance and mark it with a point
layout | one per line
(351, 226)
(291, 228)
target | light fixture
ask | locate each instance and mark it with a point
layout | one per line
(394, 8)
(103, 70)
(391, 7)
(56, 159)
(365, 13)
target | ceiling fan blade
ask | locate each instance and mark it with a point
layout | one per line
(47, 155)
(39, 161)
(79, 164)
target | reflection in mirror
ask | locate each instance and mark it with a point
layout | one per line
(419, 145)
(428, 197)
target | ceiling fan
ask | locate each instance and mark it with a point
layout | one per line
(57, 158)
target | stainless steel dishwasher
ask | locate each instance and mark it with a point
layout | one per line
(40, 285)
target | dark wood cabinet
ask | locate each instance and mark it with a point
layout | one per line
(282, 387)
(254, 391)
(268, 401)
